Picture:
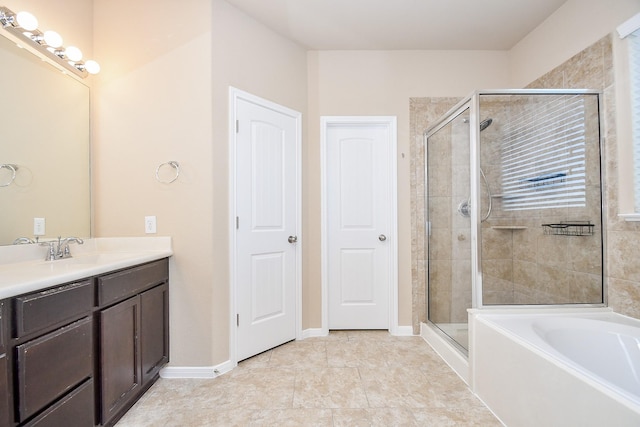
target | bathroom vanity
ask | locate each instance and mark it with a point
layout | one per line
(81, 351)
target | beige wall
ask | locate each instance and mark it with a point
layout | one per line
(381, 83)
(622, 246)
(251, 58)
(163, 95)
(576, 25)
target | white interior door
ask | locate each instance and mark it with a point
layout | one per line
(267, 209)
(360, 224)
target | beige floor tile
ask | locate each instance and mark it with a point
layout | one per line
(447, 417)
(355, 353)
(395, 387)
(300, 355)
(329, 388)
(376, 417)
(350, 378)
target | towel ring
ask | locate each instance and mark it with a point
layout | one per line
(13, 169)
(174, 165)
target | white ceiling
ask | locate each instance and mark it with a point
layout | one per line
(401, 24)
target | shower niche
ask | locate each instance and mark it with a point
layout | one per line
(513, 200)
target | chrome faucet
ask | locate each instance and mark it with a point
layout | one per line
(61, 250)
(23, 241)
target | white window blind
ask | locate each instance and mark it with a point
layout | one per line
(634, 72)
(543, 155)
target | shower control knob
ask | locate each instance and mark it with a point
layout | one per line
(382, 237)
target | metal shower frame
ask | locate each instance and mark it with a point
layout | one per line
(472, 103)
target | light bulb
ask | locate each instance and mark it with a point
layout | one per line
(73, 53)
(53, 39)
(92, 67)
(27, 21)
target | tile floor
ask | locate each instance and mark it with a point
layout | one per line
(350, 378)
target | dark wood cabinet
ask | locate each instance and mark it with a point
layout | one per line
(121, 375)
(5, 414)
(80, 354)
(134, 335)
(154, 331)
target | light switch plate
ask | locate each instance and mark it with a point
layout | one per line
(150, 224)
(38, 226)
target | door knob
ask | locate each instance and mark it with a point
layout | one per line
(382, 237)
(293, 239)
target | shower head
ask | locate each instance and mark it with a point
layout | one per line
(485, 123)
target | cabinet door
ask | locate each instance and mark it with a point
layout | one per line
(120, 356)
(5, 415)
(154, 330)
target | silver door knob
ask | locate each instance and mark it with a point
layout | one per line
(382, 237)
(293, 239)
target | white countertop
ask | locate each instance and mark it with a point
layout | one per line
(23, 268)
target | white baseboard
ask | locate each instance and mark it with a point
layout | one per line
(314, 332)
(196, 371)
(404, 331)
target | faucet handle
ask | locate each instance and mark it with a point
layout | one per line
(51, 253)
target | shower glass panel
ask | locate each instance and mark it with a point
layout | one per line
(449, 224)
(540, 198)
(514, 205)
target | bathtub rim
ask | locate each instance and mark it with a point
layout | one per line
(556, 358)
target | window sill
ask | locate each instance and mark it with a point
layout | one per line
(634, 217)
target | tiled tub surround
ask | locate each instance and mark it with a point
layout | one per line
(23, 268)
(592, 69)
(349, 378)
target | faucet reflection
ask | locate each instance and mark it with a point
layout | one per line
(23, 241)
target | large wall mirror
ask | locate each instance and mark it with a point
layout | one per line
(45, 137)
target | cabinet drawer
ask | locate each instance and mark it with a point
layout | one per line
(47, 308)
(51, 365)
(123, 284)
(74, 410)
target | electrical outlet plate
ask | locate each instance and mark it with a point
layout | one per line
(38, 226)
(150, 224)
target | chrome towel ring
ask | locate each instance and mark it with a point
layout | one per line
(172, 163)
(12, 169)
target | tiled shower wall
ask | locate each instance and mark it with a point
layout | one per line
(592, 69)
(521, 264)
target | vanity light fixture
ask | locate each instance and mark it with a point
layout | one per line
(24, 27)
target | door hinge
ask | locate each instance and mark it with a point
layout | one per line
(237, 126)
(237, 222)
(237, 319)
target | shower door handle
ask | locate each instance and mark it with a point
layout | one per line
(382, 237)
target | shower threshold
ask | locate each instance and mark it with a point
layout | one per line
(454, 355)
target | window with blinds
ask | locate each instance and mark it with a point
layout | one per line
(543, 155)
(634, 72)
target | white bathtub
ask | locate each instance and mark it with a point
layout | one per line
(551, 368)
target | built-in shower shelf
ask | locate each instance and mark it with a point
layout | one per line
(509, 227)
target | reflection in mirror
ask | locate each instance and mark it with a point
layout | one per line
(44, 135)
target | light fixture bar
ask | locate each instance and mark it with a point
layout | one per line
(36, 40)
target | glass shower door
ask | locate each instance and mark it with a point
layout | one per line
(449, 227)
